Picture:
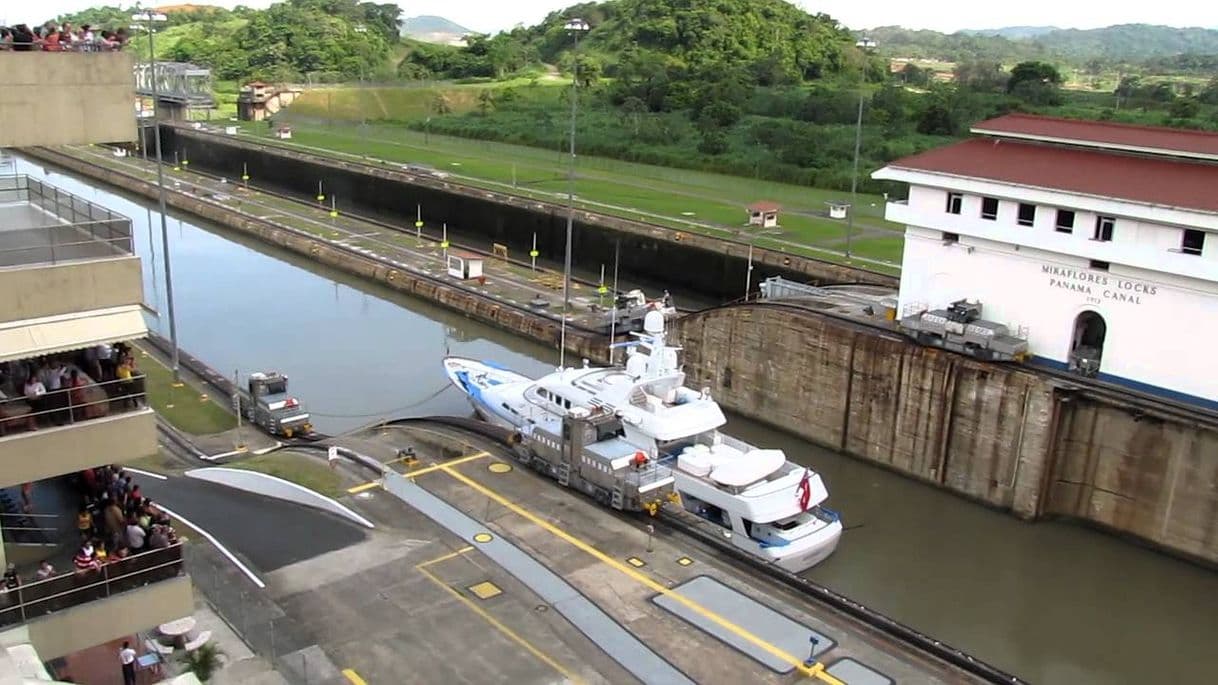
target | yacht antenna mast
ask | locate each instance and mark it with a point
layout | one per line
(617, 246)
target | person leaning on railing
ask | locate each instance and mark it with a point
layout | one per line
(13, 411)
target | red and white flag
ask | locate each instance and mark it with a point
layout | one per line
(805, 490)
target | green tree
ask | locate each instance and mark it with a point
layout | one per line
(713, 142)
(980, 75)
(486, 101)
(914, 75)
(440, 104)
(633, 109)
(1033, 72)
(203, 661)
(1209, 94)
(1184, 108)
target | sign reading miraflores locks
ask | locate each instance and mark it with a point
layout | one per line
(1098, 285)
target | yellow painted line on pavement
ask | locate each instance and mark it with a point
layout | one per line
(642, 578)
(498, 625)
(353, 677)
(446, 557)
(437, 467)
(417, 472)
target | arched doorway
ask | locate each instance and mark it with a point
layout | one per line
(1087, 344)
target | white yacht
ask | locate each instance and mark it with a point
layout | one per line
(767, 506)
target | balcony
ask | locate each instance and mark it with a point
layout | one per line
(66, 431)
(65, 613)
(65, 98)
(61, 254)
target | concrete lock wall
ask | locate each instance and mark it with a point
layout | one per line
(62, 98)
(517, 319)
(1000, 434)
(711, 266)
(36, 291)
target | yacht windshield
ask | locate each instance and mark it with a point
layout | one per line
(671, 448)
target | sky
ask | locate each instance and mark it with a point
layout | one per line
(942, 15)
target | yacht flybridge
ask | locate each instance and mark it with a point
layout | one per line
(645, 417)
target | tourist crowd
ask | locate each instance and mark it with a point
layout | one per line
(115, 520)
(60, 389)
(52, 37)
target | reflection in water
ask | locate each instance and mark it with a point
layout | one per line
(1052, 602)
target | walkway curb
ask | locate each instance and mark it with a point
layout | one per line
(273, 486)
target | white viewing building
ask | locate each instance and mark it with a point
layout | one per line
(1080, 234)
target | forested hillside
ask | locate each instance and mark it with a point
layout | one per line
(1124, 43)
(333, 39)
(763, 41)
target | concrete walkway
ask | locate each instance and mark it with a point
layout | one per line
(637, 658)
(269, 533)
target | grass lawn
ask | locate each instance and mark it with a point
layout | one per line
(191, 412)
(679, 198)
(160, 462)
(889, 249)
(299, 469)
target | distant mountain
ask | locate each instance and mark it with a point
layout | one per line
(1129, 42)
(432, 29)
(1122, 43)
(1013, 32)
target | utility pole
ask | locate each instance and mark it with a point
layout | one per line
(149, 17)
(576, 27)
(867, 46)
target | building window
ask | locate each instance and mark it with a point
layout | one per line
(949, 238)
(1193, 242)
(1099, 265)
(989, 208)
(1027, 214)
(955, 203)
(1103, 228)
(1065, 221)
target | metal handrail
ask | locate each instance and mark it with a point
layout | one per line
(53, 251)
(133, 391)
(69, 590)
(95, 45)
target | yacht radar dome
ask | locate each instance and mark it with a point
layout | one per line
(653, 323)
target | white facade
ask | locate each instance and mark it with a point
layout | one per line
(1158, 302)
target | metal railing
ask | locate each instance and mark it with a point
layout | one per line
(83, 230)
(73, 405)
(41, 45)
(25, 528)
(33, 600)
(646, 475)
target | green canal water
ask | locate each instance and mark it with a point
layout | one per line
(1051, 602)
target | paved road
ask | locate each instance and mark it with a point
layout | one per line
(270, 533)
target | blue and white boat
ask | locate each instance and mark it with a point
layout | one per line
(769, 507)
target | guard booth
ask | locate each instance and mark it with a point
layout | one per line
(838, 209)
(465, 265)
(763, 214)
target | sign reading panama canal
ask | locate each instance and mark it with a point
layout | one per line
(1098, 286)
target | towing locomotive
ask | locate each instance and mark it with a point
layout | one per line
(960, 328)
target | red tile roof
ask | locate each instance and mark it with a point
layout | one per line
(764, 206)
(1157, 181)
(1103, 134)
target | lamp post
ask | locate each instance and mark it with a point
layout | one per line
(867, 46)
(748, 271)
(575, 27)
(148, 17)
